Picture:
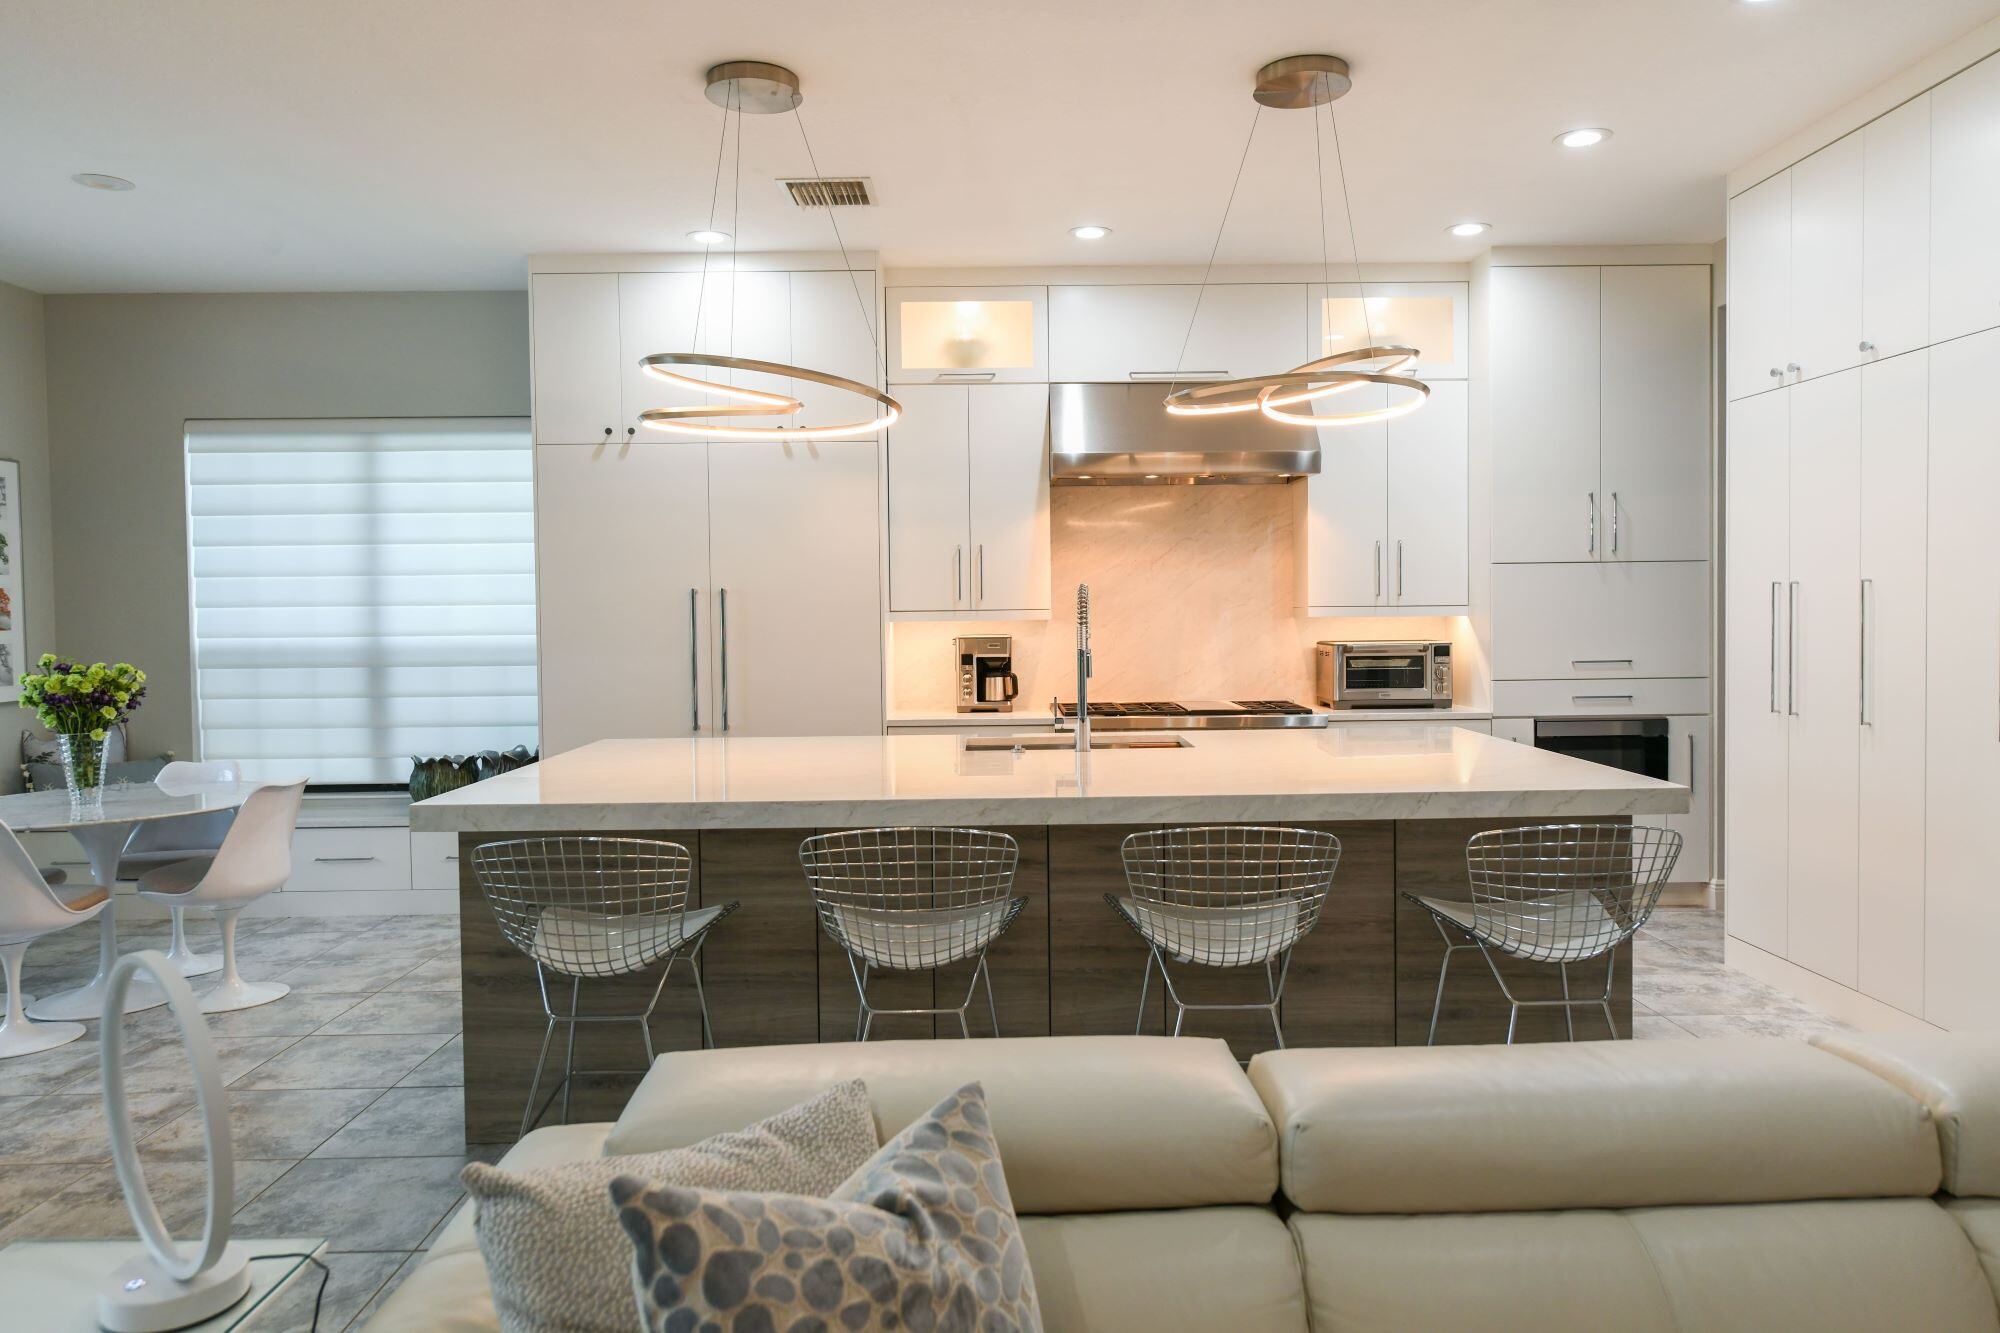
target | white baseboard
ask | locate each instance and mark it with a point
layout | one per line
(332, 902)
(1845, 1003)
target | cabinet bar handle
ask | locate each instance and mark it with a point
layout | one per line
(1600, 661)
(1378, 569)
(957, 574)
(1593, 522)
(964, 376)
(341, 860)
(1792, 650)
(1399, 567)
(1867, 647)
(1691, 763)
(1614, 523)
(1774, 647)
(1596, 698)
(722, 601)
(694, 663)
(979, 571)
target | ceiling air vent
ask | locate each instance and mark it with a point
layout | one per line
(830, 191)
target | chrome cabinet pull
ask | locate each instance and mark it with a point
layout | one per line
(342, 860)
(979, 571)
(1867, 647)
(694, 663)
(1399, 567)
(1614, 523)
(1593, 522)
(1378, 569)
(1597, 698)
(722, 596)
(1600, 661)
(1792, 366)
(957, 574)
(1867, 346)
(964, 376)
(1792, 650)
(1690, 763)
(1776, 373)
(1774, 647)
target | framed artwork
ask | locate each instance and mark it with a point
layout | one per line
(13, 641)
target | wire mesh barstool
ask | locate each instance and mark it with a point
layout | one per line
(1553, 893)
(1224, 896)
(914, 900)
(592, 908)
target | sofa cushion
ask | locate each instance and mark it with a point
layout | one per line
(1838, 1265)
(1979, 1219)
(1211, 1268)
(1957, 1075)
(923, 1236)
(1087, 1124)
(1589, 1125)
(552, 1247)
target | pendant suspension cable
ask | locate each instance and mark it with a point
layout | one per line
(1220, 227)
(714, 194)
(834, 222)
(736, 230)
(1319, 174)
(1353, 244)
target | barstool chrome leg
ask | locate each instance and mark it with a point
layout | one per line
(1569, 1014)
(569, 1045)
(1444, 970)
(1610, 972)
(1145, 985)
(535, 1084)
(701, 998)
(992, 1009)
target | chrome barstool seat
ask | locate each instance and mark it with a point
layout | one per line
(1224, 896)
(595, 908)
(914, 900)
(1553, 893)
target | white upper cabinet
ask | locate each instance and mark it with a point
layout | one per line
(1760, 284)
(1654, 407)
(1009, 496)
(1825, 298)
(574, 319)
(1545, 348)
(968, 335)
(1429, 316)
(1965, 202)
(1383, 524)
(1896, 235)
(1640, 619)
(969, 500)
(1118, 333)
(835, 329)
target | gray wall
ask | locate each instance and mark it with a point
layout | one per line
(24, 437)
(125, 373)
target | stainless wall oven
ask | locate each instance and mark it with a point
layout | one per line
(1635, 744)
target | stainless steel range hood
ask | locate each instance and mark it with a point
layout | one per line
(1121, 435)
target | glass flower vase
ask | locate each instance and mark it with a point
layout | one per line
(83, 761)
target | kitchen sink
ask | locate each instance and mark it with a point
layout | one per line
(1056, 741)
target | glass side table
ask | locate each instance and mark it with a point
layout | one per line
(52, 1284)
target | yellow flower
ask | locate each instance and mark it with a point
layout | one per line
(109, 712)
(98, 734)
(122, 698)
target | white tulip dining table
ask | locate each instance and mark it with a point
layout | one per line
(102, 825)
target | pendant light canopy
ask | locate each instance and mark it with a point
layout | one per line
(756, 88)
(1305, 83)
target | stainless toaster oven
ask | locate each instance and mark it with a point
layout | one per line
(1401, 674)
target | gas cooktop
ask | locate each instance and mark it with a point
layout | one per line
(1160, 714)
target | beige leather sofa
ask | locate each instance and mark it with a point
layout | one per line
(1753, 1183)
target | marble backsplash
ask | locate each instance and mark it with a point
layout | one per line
(1191, 598)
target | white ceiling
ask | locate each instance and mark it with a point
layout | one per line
(431, 144)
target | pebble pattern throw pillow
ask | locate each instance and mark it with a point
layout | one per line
(922, 1238)
(553, 1251)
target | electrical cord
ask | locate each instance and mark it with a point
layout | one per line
(325, 1275)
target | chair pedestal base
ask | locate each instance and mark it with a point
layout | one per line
(240, 994)
(26, 1037)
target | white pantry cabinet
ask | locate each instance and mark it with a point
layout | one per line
(1383, 524)
(1896, 232)
(1636, 619)
(574, 323)
(1432, 317)
(1600, 413)
(1965, 201)
(969, 500)
(1760, 286)
(1823, 319)
(1102, 332)
(1962, 751)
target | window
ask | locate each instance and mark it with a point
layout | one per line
(363, 592)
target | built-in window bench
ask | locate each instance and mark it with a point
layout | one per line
(353, 854)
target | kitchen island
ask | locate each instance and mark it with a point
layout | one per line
(1402, 800)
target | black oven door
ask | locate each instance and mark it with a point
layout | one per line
(1375, 673)
(1635, 744)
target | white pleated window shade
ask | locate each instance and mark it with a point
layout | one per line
(364, 592)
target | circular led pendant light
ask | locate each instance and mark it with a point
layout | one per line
(1305, 83)
(756, 88)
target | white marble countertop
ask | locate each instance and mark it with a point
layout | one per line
(1374, 772)
(1031, 719)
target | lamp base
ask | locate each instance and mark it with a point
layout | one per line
(141, 1297)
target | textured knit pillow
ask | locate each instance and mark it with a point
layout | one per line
(553, 1252)
(922, 1237)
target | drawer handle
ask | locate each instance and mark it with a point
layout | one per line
(341, 860)
(1600, 698)
(452, 857)
(1600, 661)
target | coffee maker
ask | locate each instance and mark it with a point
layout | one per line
(986, 679)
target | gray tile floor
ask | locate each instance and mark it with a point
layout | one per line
(344, 1095)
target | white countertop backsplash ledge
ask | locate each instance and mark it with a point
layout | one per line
(1355, 773)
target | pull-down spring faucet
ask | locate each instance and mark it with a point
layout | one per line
(1082, 670)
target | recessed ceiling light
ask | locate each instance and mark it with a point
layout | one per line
(1090, 232)
(1469, 228)
(708, 236)
(1584, 138)
(97, 180)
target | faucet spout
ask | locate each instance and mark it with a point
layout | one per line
(1082, 670)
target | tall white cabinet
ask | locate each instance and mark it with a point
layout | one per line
(1862, 692)
(737, 582)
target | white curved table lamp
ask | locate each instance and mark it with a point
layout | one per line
(165, 1287)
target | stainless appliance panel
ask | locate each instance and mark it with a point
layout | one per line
(1391, 674)
(984, 666)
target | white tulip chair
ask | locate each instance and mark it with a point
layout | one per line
(255, 859)
(164, 842)
(30, 907)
